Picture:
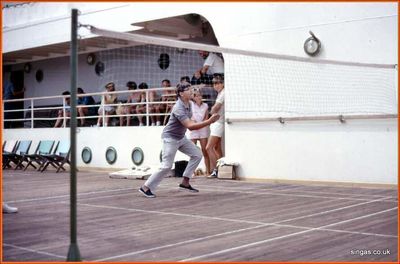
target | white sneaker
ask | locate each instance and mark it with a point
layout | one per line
(214, 174)
(140, 124)
(153, 124)
(158, 123)
(9, 209)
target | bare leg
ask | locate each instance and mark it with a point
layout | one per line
(211, 149)
(131, 110)
(203, 144)
(100, 119)
(157, 110)
(218, 149)
(58, 121)
(128, 120)
(153, 118)
(106, 120)
(82, 112)
(139, 111)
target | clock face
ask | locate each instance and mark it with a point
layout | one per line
(312, 46)
(91, 59)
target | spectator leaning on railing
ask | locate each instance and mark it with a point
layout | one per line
(85, 111)
(107, 99)
(61, 111)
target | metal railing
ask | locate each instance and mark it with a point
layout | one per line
(30, 108)
(341, 118)
(147, 114)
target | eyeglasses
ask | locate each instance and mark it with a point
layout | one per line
(215, 83)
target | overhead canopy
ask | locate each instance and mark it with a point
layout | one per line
(185, 27)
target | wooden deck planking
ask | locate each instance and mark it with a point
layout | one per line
(115, 223)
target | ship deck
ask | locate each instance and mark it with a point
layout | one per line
(227, 221)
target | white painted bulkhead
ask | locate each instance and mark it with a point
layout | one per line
(358, 151)
(123, 139)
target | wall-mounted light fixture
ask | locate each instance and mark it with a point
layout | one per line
(27, 67)
(91, 59)
(312, 45)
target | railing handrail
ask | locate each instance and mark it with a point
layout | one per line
(64, 106)
(91, 94)
(341, 118)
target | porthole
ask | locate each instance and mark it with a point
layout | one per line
(163, 61)
(111, 155)
(137, 156)
(39, 75)
(86, 155)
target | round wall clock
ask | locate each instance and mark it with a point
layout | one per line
(91, 59)
(312, 45)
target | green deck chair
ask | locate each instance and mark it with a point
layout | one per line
(44, 148)
(9, 147)
(60, 157)
(22, 149)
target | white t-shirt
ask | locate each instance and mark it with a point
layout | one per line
(221, 99)
(215, 64)
(198, 111)
(198, 116)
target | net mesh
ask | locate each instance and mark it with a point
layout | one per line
(263, 86)
(269, 87)
(141, 64)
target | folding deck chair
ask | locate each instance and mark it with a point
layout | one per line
(44, 148)
(22, 149)
(9, 147)
(60, 156)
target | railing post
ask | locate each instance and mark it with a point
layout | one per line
(103, 111)
(32, 113)
(64, 118)
(147, 108)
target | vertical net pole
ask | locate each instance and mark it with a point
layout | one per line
(73, 252)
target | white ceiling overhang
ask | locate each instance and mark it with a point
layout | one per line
(49, 37)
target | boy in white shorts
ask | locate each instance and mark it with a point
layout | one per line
(214, 147)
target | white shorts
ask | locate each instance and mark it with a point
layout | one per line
(199, 133)
(217, 129)
(107, 109)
